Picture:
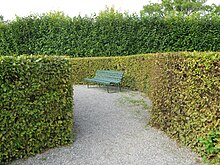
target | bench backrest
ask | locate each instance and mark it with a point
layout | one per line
(111, 75)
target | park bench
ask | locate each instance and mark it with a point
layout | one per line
(107, 77)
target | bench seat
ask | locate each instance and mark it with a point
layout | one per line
(107, 77)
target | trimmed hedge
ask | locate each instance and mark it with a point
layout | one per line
(136, 69)
(36, 107)
(108, 35)
(186, 93)
(184, 88)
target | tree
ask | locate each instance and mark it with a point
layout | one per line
(179, 7)
(215, 10)
(110, 12)
(1, 18)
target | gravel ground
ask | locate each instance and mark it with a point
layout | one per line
(112, 130)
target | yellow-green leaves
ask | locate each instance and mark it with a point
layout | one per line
(35, 104)
(185, 95)
(184, 88)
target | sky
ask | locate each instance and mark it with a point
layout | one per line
(10, 8)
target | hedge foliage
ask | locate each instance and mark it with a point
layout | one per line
(185, 93)
(184, 88)
(108, 34)
(136, 69)
(36, 107)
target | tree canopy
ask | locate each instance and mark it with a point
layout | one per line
(180, 7)
(1, 18)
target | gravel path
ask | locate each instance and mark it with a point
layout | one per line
(111, 130)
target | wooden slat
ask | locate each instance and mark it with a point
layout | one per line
(107, 77)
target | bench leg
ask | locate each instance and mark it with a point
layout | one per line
(119, 86)
(108, 88)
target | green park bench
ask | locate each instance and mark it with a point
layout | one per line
(107, 77)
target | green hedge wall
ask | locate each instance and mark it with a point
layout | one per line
(36, 107)
(184, 88)
(136, 69)
(186, 93)
(109, 35)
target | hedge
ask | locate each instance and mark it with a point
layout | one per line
(184, 88)
(185, 93)
(136, 69)
(107, 35)
(36, 108)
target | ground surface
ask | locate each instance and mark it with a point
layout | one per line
(112, 130)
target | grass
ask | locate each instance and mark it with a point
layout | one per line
(44, 158)
(135, 102)
(140, 107)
